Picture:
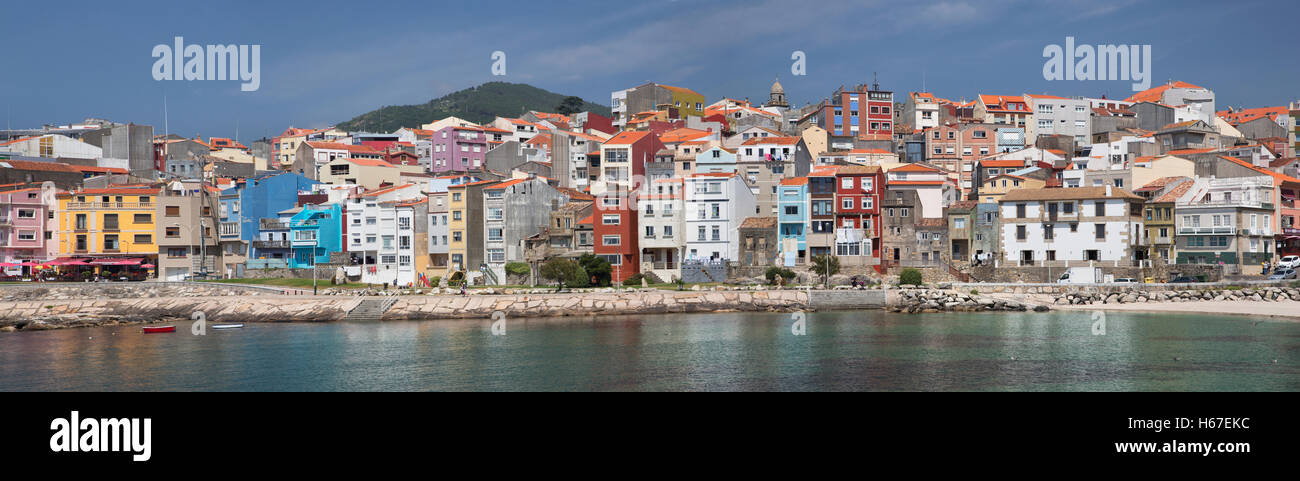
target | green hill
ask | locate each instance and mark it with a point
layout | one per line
(475, 104)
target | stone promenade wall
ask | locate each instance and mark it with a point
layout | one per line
(53, 314)
(122, 290)
(588, 304)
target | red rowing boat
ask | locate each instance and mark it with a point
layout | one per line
(156, 329)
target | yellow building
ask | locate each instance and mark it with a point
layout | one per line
(465, 228)
(688, 102)
(108, 223)
(993, 189)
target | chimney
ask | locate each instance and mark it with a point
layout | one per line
(1107, 190)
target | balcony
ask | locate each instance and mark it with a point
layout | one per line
(1206, 230)
(230, 229)
(109, 205)
(273, 224)
(271, 244)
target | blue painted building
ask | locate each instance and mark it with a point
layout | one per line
(316, 231)
(792, 220)
(715, 160)
(260, 201)
(1011, 139)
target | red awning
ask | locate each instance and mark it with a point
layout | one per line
(117, 262)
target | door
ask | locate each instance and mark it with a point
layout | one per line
(177, 274)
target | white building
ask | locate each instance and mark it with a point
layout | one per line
(1070, 227)
(933, 188)
(661, 217)
(52, 146)
(374, 241)
(1054, 115)
(921, 110)
(715, 206)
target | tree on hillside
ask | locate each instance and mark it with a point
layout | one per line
(570, 105)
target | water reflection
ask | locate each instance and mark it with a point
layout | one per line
(860, 350)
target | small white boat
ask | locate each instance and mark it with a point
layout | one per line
(228, 326)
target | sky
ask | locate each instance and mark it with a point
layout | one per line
(326, 62)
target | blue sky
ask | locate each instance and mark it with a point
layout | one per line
(324, 62)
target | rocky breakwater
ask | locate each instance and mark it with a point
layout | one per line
(643, 301)
(55, 307)
(913, 301)
(1260, 294)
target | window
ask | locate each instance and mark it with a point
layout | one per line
(611, 240)
(143, 239)
(1020, 211)
(1020, 232)
(494, 235)
(81, 222)
(609, 219)
(1101, 231)
(846, 203)
(110, 243)
(143, 218)
(110, 221)
(1099, 209)
(172, 211)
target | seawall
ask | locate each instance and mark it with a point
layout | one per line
(60, 306)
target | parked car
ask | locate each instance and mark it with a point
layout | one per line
(1292, 262)
(1126, 280)
(1182, 280)
(1282, 273)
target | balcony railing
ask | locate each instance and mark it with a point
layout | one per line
(271, 244)
(273, 224)
(109, 205)
(1206, 230)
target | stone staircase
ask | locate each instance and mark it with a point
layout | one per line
(371, 309)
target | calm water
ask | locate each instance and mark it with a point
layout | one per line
(863, 350)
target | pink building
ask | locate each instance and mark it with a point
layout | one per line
(458, 149)
(24, 223)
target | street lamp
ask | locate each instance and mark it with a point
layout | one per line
(203, 246)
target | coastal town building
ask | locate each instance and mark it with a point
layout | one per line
(1071, 227)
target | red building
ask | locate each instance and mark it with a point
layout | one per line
(621, 176)
(859, 113)
(857, 214)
